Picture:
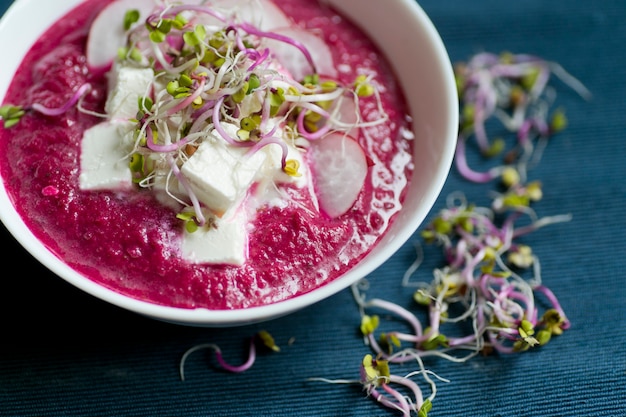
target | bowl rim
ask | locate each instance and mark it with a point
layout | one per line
(221, 318)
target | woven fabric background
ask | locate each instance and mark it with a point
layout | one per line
(63, 353)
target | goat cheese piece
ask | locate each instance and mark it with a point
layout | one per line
(224, 243)
(103, 162)
(220, 174)
(126, 85)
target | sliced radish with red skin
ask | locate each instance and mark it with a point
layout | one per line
(292, 58)
(338, 168)
(264, 14)
(107, 34)
(346, 115)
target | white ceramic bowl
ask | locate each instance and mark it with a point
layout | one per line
(425, 73)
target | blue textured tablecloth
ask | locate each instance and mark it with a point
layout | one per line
(63, 353)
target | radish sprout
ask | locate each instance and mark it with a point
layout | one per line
(262, 337)
(11, 114)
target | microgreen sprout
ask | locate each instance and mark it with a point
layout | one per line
(388, 389)
(11, 114)
(262, 338)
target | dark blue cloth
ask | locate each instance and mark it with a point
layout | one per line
(63, 353)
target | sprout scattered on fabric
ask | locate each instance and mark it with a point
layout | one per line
(490, 279)
(388, 389)
(262, 338)
(481, 283)
(514, 90)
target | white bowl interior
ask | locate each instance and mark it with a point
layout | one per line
(423, 68)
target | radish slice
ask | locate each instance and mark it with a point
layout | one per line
(107, 34)
(264, 14)
(294, 61)
(339, 167)
(346, 114)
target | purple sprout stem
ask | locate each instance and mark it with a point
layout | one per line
(484, 59)
(268, 140)
(201, 117)
(401, 404)
(312, 135)
(56, 111)
(220, 359)
(555, 304)
(172, 147)
(484, 284)
(256, 31)
(260, 59)
(470, 265)
(237, 368)
(400, 311)
(192, 196)
(409, 337)
(530, 313)
(417, 392)
(218, 126)
(497, 344)
(456, 257)
(466, 171)
(465, 340)
(480, 133)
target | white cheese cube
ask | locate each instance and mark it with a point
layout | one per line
(126, 85)
(220, 174)
(225, 244)
(103, 162)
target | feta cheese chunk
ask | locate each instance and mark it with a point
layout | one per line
(226, 243)
(126, 85)
(220, 174)
(103, 162)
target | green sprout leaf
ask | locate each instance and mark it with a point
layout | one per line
(268, 340)
(157, 36)
(131, 17)
(558, 122)
(179, 21)
(425, 408)
(277, 98)
(11, 115)
(362, 86)
(369, 324)
(253, 83)
(376, 370)
(189, 218)
(292, 168)
(194, 38)
(145, 104)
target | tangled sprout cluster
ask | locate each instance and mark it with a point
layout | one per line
(488, 297)
(511, 89)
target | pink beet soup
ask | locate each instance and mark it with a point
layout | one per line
(128, 242)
